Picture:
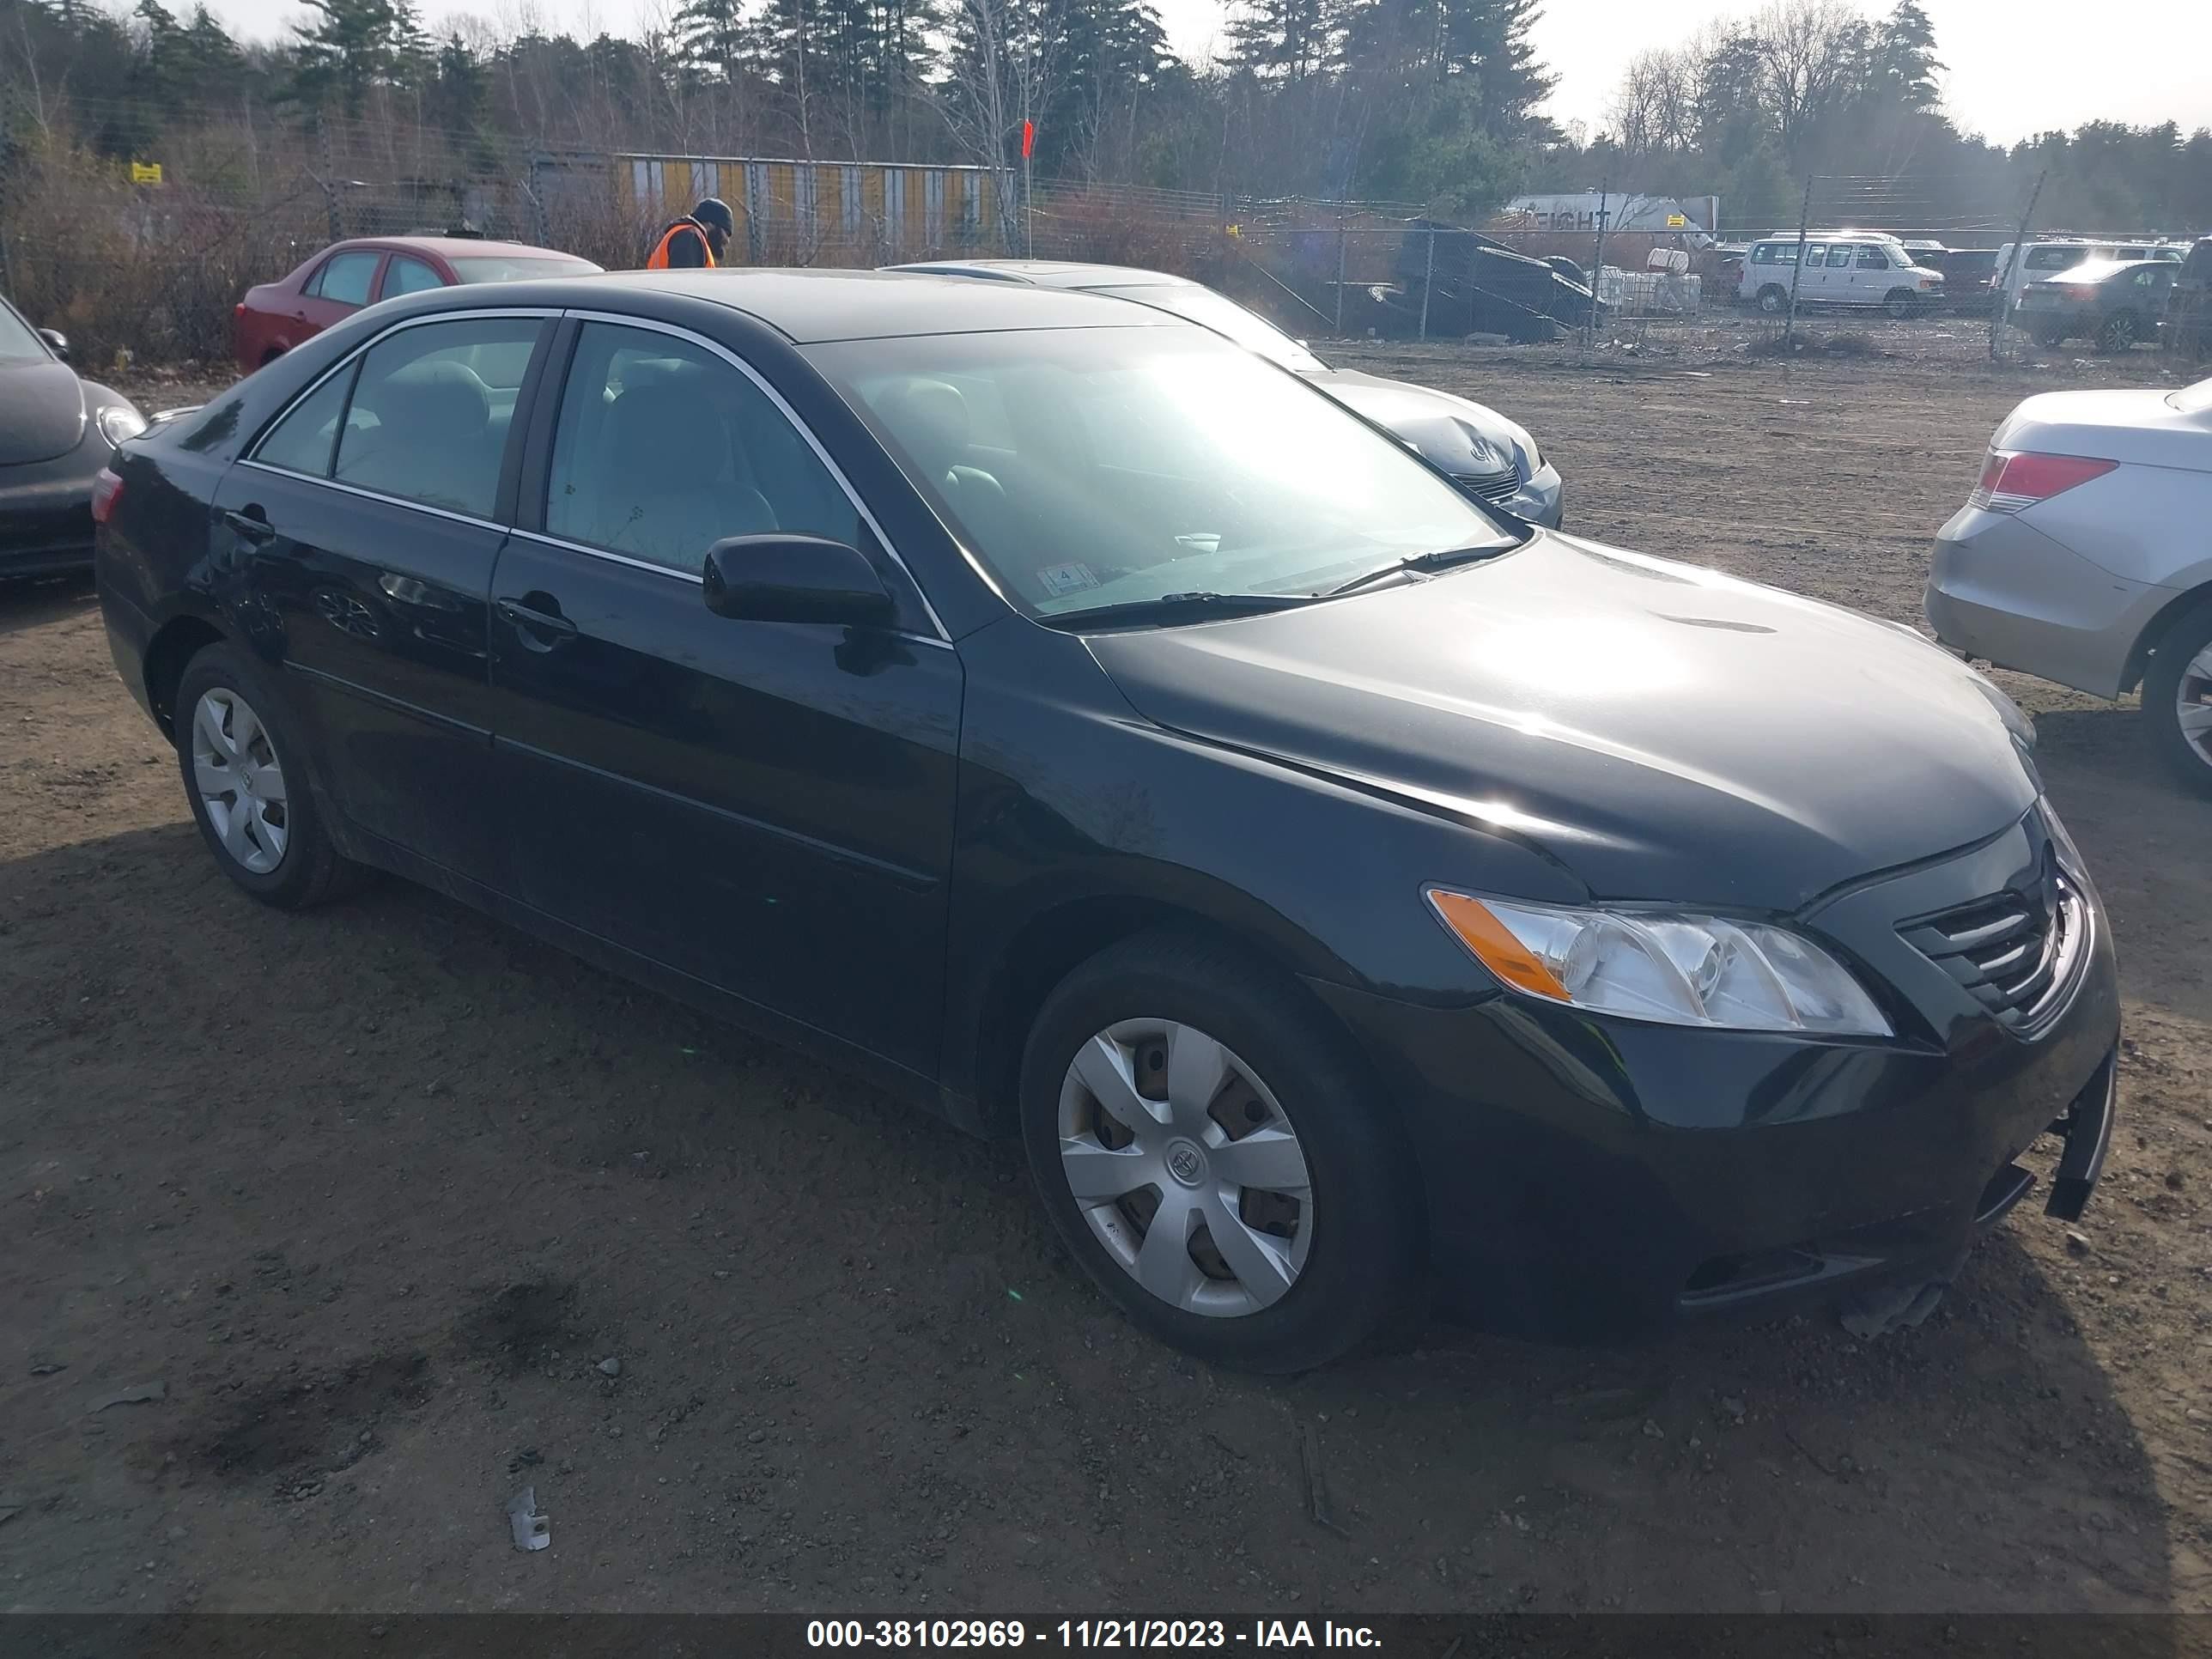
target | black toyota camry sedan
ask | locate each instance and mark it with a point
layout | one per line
(1073, 723)
(56, 432)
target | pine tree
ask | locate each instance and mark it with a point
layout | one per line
(1286, 39)
(1902, 65)
(351, 45)
(712, 37)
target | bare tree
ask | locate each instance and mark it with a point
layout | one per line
(1811, 52)
(1002, 75)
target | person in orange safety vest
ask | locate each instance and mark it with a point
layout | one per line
(695, 242)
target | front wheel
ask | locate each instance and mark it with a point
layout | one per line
(1902, 302)
(2177, 698)
(1219, 1163)
(247, 782)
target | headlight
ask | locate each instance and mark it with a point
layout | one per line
(119, 422)
(1677, 968)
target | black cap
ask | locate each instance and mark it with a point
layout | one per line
(715, 212)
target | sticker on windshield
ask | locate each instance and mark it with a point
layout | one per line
(1061, 579)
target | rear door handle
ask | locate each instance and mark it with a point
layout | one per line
(543, 621)
(250, 527)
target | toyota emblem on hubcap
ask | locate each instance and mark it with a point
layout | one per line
(1186, 1162)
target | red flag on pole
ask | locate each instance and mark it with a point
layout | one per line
(1029, 139)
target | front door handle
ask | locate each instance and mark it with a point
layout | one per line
(250, 527)
(532, 621)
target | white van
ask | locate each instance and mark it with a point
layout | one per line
(2063, 253)
(1842, 268)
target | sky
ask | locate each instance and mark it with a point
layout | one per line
(2017, 67)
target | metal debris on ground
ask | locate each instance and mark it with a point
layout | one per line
(138, 1394)
(532, 1531)
(611, 1366)
(1317, 1503)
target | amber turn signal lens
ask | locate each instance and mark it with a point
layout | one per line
(1494, 945)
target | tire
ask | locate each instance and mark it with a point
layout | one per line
(1902, 302)
(1343, 1258)
(2048, 335)
(2180, 679)
(267, 833)
(1774, 299)
(2118, 332)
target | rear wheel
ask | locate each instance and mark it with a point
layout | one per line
(247, 785)
(1774, 299)
(2177, 698)
(1219, 1164)
(2118, 332)
(2048, 335)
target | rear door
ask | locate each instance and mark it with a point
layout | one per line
(764, 806)
(340, 286)
(364, 525)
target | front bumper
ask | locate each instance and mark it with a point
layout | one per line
(46, 521)
(1590, 1177)
(1540, 499)
(2000, 589)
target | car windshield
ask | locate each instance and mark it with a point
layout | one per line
(1089, 468)
(18, 343)
(1225, 317)
(518, 267)
(2191, 399)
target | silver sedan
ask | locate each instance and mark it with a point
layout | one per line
(2084, 555)
(1489, 457)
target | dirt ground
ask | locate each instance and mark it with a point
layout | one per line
(367, 1196)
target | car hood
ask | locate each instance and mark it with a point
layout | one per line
(1463, 438)
(2135, 426)
(1664, 732)
(41, 412)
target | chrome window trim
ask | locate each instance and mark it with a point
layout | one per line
(652, 325)
(674, 574)
(448, 512)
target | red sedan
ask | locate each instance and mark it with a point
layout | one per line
(344, 277)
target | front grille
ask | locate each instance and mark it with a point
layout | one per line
(2015, 952)
(1491, 486)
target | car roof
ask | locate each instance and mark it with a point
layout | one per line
(812, 307)
(454, 247)
(1049, 273)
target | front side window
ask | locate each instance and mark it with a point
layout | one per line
(18, 344)
(345, 278)
(1873, 259)
(406, 276)
(1141, 463)
(663, 449)
(431, 410)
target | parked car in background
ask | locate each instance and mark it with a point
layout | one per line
(1052, 711)
(57, 433)
(2081, 556)
(275, 317)
(1486, 455)
(1855, 269)
(2187, 328)
(2047, 259)
(1968, 273)
(2115, 303)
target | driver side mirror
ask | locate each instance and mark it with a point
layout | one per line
(794, 578)
(57, 342)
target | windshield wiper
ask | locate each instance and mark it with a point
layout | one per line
(1176, 607)
(1443, 559)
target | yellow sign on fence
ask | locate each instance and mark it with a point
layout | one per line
(1677, 222)
(145, 173)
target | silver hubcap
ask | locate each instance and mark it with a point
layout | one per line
(2193, 704)
(235, 769)
(1185, 1167)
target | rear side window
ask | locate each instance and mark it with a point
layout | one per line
(663, 449)
(432, 407)
(303, 439)
(345, 278)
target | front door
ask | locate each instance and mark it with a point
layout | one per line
(362, 532)
(766, 807)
